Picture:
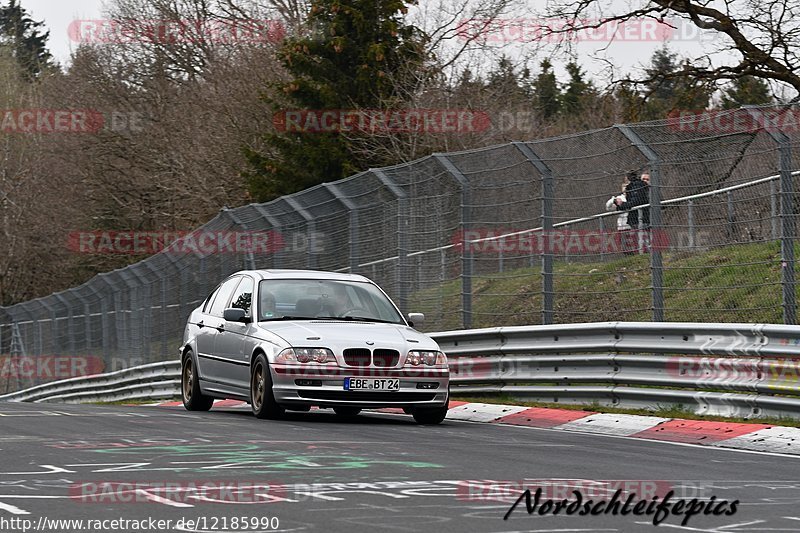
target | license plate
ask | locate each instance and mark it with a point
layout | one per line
(371, 384)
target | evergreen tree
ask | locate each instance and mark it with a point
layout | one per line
(25, 38)
(747, 90)
(578, 90)
(667, 92)
(546, 93)
(504, 81)
(361, 57)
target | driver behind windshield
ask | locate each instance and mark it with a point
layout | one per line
(337, 303)
(267, 307)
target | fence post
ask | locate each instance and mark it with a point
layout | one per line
(311, 260)
(70, 321)
(352, 209)
(276, 228)
(250, 262)
(466, 251)
(548, 294)
(773, 210)
(402, 236)
(690, 222)
(787, 232)
(731, 218)
(656, 264)
(787, 212)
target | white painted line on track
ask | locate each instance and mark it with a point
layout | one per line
(12, 509)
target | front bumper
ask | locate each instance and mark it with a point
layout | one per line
(324, 386)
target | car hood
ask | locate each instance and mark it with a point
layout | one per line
(338, 335)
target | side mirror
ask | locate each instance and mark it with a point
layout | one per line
(235, 315)
(416, 319)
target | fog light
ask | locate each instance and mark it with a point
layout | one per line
(308, 382)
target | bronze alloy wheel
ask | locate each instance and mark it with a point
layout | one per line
(193, 399)
(262, 400)
(258, 387)
(188, 381)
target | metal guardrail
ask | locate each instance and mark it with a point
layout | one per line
(734, 370)
(741, 370)
(153, 381)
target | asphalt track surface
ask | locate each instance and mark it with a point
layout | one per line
(378, 472)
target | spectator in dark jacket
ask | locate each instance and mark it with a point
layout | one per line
(637, 193)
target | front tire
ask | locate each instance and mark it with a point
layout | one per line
(193, 399)
(262, 399)
(430, 416)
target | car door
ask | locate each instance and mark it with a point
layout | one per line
(235, 344)
(209, 363)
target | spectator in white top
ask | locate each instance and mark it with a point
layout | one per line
(611, 205)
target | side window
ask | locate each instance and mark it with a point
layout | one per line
(243, 297)
(209, 300)
(223, 296)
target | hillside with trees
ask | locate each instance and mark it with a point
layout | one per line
(186, 126)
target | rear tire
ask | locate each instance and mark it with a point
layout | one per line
(347, 412)
(262, 399)
(193, 399)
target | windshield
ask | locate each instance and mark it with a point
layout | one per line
(305, 299)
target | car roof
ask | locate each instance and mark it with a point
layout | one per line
(304, 274)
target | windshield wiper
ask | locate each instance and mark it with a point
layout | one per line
(278, 318)
(367, 319)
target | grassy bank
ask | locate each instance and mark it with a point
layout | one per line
(738, 283)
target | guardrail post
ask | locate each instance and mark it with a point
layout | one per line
(787, 212)
(656, 263)
(402, 237)
(352, 209)
(466, 251)
(546, 174)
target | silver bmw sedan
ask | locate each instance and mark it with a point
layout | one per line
(292, 339)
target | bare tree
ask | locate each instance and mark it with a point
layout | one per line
(758, 38)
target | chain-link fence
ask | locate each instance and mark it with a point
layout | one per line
(507, 235)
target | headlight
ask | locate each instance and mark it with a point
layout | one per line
(427, 358)
(306, 355)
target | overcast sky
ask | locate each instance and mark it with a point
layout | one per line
(58, 14)
(627, 56)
